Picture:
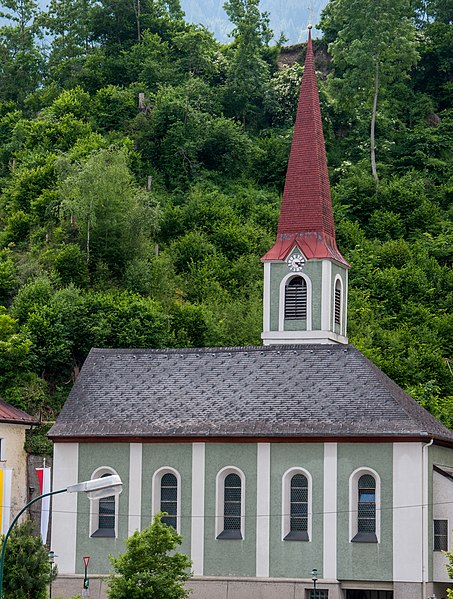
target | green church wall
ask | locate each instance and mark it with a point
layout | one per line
(170, 455)
(91, 457)
(278, 271)
(365, 561)
(296, 559)
(225, 557)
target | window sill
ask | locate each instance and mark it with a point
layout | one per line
(104, 533)
(230, 534)
(297, 535)
(365, 537)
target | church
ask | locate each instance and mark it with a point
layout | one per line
(293, 470)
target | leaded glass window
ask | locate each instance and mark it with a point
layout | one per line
(366, 518)
(440, 535)
(106, 515)
(169, 498)
(299, 503)
(232, 502)
(296, 299)
(318, 594)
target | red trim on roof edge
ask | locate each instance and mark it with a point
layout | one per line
(397, 438)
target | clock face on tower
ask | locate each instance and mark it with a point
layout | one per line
(296, 262)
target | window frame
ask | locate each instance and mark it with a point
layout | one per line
(95, 531)
(156, 493)
(286, 505)
(337, 280)
(446, 536)
(354, 535)
(220, 503)
(282, 294)
(290, 287)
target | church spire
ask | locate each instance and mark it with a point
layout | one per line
(306, 218)
(305, 276)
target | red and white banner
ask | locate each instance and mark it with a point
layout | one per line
(6, 476)
(44, 486)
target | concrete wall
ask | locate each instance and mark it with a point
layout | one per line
(14, 456)
(212, 588)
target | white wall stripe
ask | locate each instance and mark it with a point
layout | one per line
(135, 488)
(64, 506)
(326, 292)
(263, 495)
(407, 512)
(267, 298)
(198, 484)
(330, 512)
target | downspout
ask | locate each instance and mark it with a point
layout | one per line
(425, 533)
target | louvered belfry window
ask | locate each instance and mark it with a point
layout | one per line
(232, 502)
(169, 498)
(338, 302)
(296, 299)
(299, 503)
(366, 521)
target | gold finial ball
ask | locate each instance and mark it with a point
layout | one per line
(310, 26)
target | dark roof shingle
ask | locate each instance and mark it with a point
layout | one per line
(273, 391)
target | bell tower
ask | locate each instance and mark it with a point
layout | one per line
(305, 275)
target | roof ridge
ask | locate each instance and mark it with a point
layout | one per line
(225, 349)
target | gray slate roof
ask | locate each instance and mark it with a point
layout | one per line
(273, 391)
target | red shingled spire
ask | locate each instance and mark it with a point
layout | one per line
(306, 218)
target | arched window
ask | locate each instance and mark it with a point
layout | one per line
(337, 302)
(365, 506)
(230, 504)
(167, 496)
(104, 511)
(296, 494)
(296, 299)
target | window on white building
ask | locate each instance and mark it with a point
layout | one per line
(440, 535)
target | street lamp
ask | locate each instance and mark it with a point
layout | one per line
(51, 556)
(95, 489)
(314, 577)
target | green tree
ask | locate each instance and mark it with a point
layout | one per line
(248, 72)
(150, 567)
(372, 46)
(26, 569)
(112, 216)
(21, 66)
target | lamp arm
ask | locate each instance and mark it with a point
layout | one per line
(2, 556)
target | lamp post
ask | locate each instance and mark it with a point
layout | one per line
(314, 577)
(95, 489)
(51, 556)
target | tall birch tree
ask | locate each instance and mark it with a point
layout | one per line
(372, 46)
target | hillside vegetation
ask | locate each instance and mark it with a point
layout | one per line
(127, 224)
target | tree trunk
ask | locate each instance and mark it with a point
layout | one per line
(137, 9)
(373, 122)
